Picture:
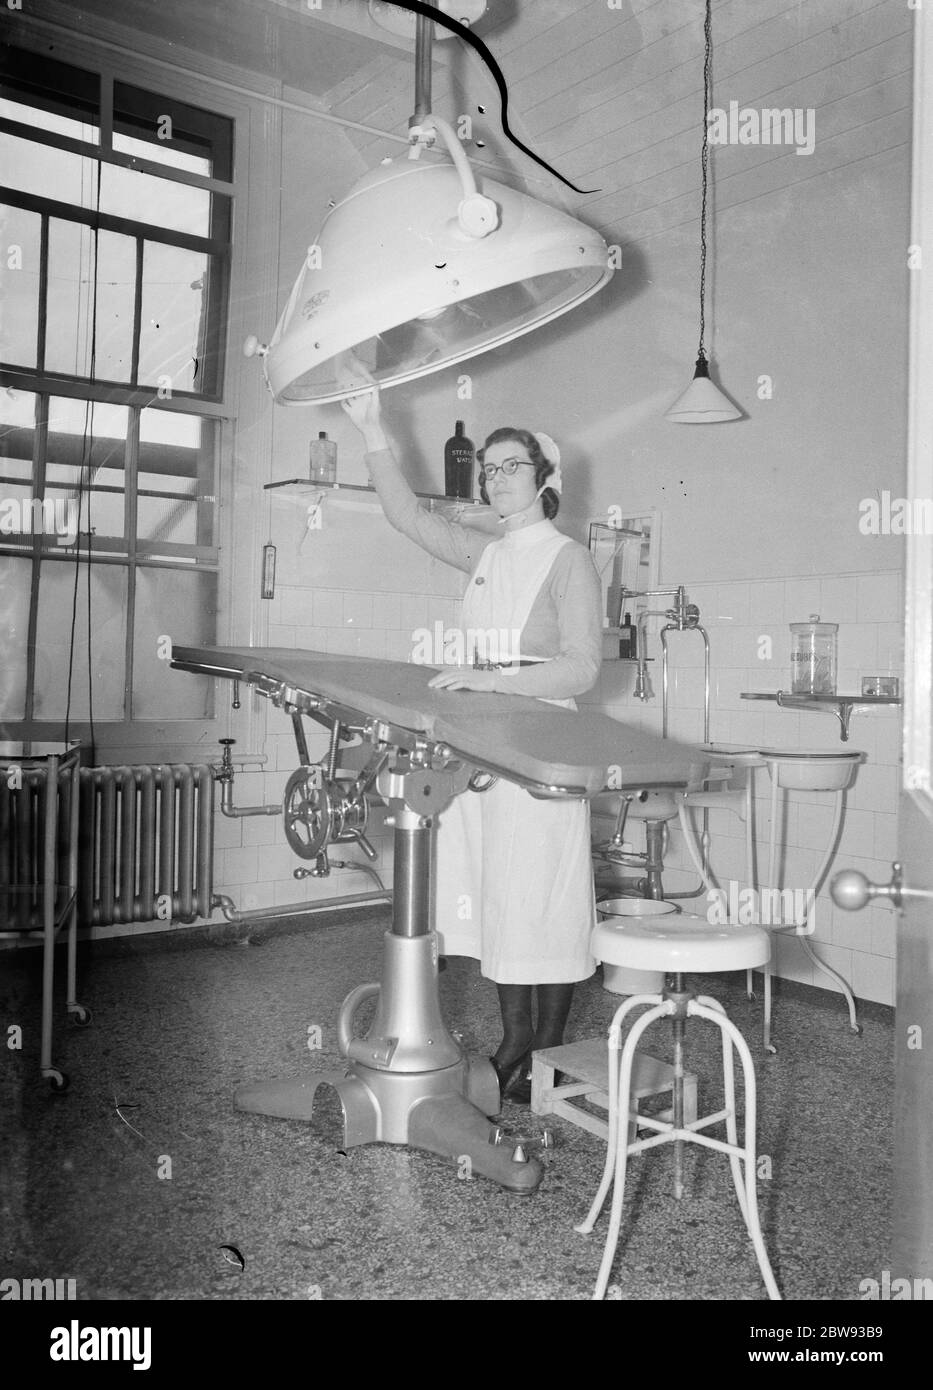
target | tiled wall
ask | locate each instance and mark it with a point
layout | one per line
(254, 865)
(738, 616)
(350, 585)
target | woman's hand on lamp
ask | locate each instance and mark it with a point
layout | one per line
(363, 408)
(465, 678)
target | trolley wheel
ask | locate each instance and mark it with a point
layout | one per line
(58, 1081)
(81, 1015)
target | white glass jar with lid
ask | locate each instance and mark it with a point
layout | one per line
(813, 657)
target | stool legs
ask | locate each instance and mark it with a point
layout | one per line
(746, 1188)
(619, 1147)
(615, 1117)
(620, 1080)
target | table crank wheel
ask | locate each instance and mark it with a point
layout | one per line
(308, 812)
(319, 811)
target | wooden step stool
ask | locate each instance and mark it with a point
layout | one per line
(586, 1074)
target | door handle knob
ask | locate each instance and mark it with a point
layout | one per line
(852, 890)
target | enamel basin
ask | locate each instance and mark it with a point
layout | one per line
(811, 770)
(620, 979)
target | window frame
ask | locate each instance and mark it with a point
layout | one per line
(158, 739)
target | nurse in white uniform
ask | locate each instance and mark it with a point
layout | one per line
(514, 875)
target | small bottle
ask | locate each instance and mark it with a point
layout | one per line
(627, 639)
(458, 464)
(323, 464)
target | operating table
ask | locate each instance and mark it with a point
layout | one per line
(409, 1080)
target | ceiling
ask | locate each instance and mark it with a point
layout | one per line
(612, 98)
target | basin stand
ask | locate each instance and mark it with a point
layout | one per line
(742, 803)
(409, 1080)
(801, 929)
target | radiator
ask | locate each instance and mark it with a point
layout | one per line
(147, 844)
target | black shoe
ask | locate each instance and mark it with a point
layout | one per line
(508, 1073)
(520, 1090)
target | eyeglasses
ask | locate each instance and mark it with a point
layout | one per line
(508, 467)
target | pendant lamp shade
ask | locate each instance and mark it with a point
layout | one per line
(702, 403)
(397, 286)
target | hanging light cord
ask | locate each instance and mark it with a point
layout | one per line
(704, 162)
(85, 478)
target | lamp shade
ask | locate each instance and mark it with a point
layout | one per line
(394, 284)
(702, 403)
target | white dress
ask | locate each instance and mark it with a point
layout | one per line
(514, 878)
(513, 875)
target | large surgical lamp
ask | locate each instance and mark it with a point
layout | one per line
(417, 268)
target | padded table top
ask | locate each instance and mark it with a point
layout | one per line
(517, 737)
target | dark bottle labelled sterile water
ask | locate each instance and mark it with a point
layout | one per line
(459, 457)
(628, 639)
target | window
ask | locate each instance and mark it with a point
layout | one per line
(115, 217)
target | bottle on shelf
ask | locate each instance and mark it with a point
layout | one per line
(323, 460)
(628, 639)
(459, 456)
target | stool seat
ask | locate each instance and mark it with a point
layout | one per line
(680, 944)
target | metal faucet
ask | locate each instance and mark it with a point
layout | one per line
(682, 615)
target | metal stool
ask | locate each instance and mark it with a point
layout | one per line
(677, 945)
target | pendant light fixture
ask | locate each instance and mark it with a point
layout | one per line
(417, 268)
(703, 403)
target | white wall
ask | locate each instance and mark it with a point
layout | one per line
(760, 517)
(809, 288)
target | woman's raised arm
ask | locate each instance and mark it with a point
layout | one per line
(446, 540)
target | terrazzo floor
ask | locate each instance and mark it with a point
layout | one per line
(143, 1182)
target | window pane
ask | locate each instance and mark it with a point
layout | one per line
(17, 426)
(48, 120)
(182, 606)
(161, 202)
(47, 172)
(19, 265)
(174, 327)
(91, 433)
(162, 128)
(175, 480)
(45, 85)
(17, 416)
(14, 622)
(71, 301)
(57, 601)
(162, 153)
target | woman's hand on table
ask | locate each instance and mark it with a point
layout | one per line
(465, 678)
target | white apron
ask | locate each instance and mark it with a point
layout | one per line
(513, 875)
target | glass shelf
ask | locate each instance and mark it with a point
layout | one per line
(365, 496)
(839, 705)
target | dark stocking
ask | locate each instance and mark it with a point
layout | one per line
(553, 1007)
(515, 1006)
